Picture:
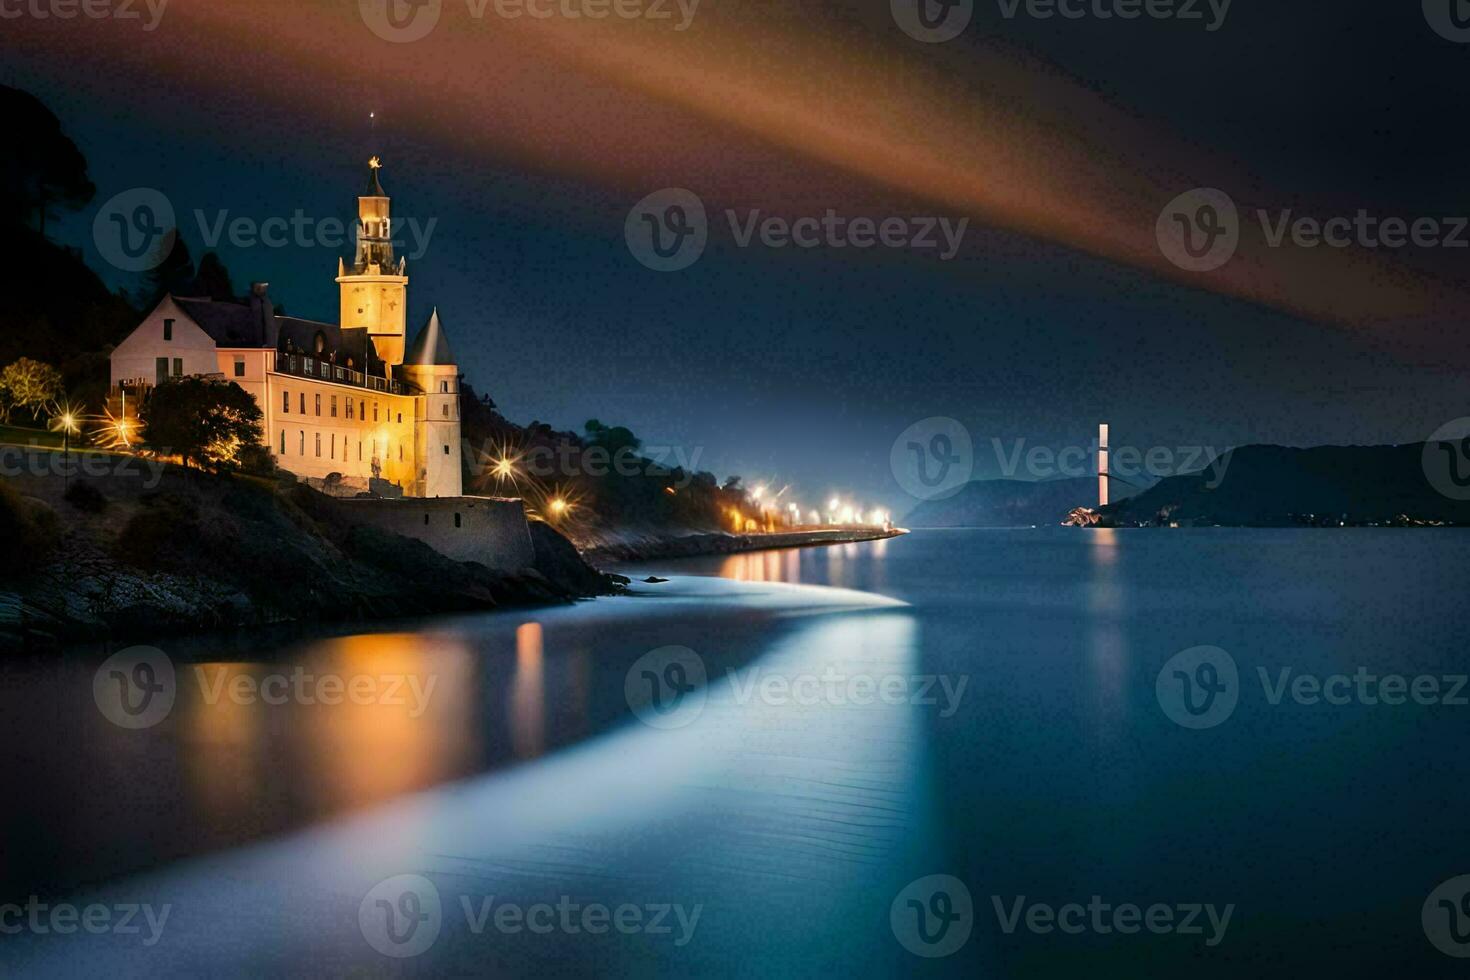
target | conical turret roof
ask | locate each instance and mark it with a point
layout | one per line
(432, 346)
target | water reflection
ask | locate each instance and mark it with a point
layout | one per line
(528, 693)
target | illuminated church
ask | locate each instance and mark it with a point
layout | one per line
(348, 405)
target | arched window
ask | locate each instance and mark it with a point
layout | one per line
(301, 449)
(319, 343)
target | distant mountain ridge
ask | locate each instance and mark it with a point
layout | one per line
(1277, 486)
(1005, 503)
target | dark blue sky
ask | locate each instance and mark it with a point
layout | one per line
(803, 366)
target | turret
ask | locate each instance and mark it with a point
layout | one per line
(374, 289)
(430, 366)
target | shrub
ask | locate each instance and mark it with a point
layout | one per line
(86, 497)
(29, 530)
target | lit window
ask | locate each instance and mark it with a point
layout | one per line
(444, 387)
(334, 406)
(168, 328)
(239, 367)
(349, 406)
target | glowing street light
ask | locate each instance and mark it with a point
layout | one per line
(504, 469)
(558, 506)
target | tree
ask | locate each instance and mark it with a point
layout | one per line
(214, 278)
(612, 438)
(209, 422)
(175, 273)
(40, 167)
(30, 385)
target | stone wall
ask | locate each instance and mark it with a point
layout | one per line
(488, 530)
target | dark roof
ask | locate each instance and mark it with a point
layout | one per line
(228, 324)
(432, 346)
(241, 325)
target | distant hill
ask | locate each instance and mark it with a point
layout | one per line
(1274, 486)
(1006, 503)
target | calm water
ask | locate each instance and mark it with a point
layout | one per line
(1021, 746)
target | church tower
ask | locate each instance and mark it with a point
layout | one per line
(374, 289)
(430, 367)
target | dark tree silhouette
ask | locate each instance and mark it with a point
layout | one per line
(40, 167)
(214, 278)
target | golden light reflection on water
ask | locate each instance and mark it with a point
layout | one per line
(1105, 609)
(763, 566)
(354, 720)
(528, 694)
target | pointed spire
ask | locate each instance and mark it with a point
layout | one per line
(432, 346)
(375, 189)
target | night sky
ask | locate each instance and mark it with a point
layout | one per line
(529, 141)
